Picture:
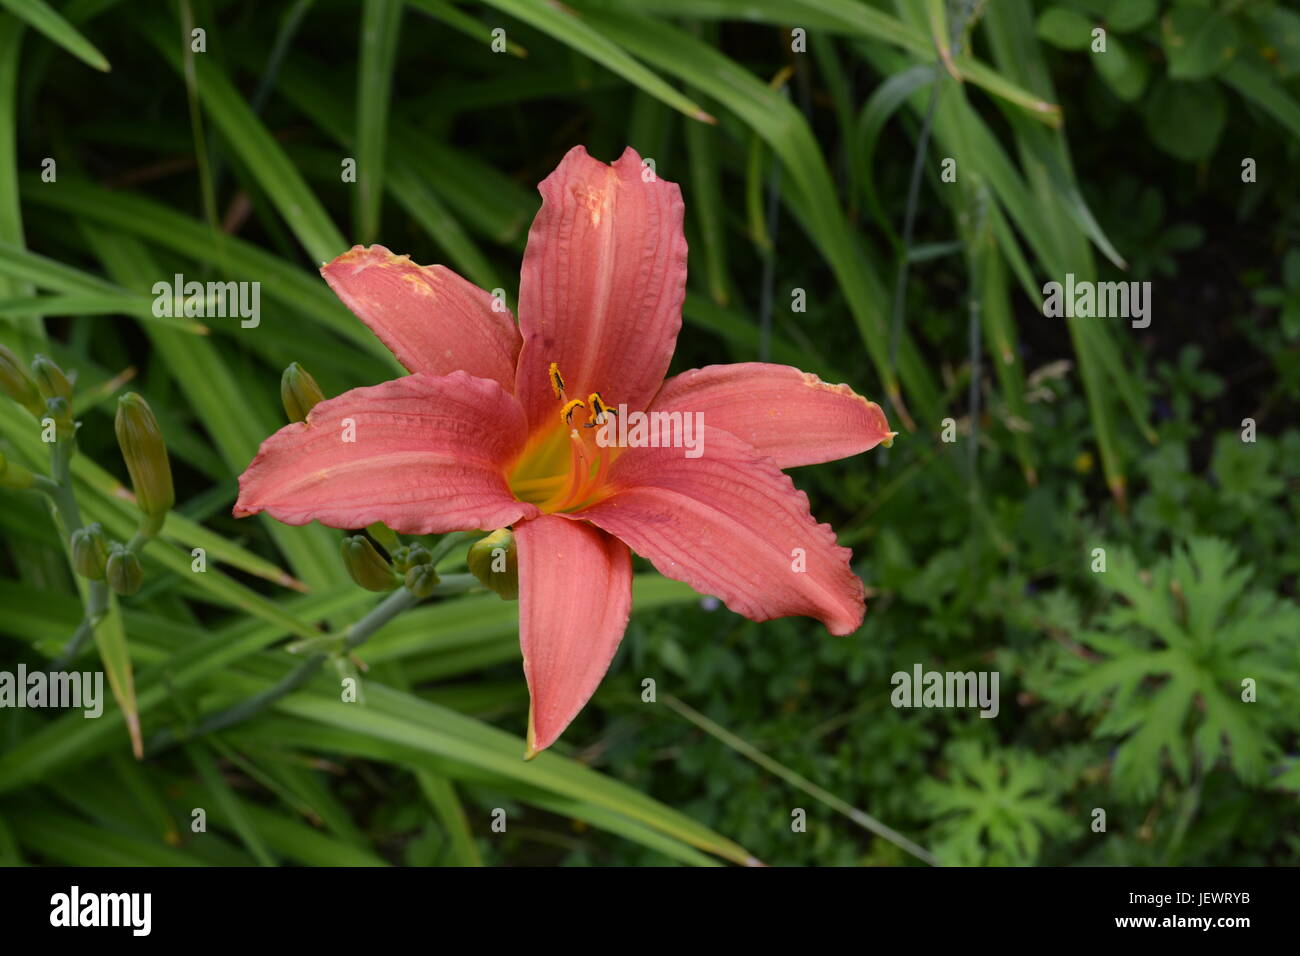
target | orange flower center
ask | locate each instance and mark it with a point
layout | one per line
(563, 468)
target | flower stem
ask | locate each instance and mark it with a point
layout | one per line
(150, 525)
(450, 585)
(245, 708)
(445, 544)
(356, 635)
(381, 614)
(69, 516)
(96, 608)
(65, 502)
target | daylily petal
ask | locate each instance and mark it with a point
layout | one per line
(427, 454)
(603, 281)
(575, 594)
(731, 524)
(793, 417)
(430, 318)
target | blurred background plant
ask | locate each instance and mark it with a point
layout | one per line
(810, 140)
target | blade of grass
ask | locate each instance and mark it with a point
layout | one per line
(11, 217)
(58, 305)
(75, 842)
(458, 20)
(742, 335)
(441, 794)
(883, 103)
(229, 807)
(315, 737)
(44, 18)
(566, 25)
(115, 652)
(287, 837)
(380, 22)
(305, 293)
(422, 202)
(401, 719)
(256, 148)
(9, 853)
(855, 19)
(1258, 87)
(493, 204)
(999, 330)
(800, 782)
(141, 791)
(838, 82)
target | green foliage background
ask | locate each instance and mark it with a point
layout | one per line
(1120, 690)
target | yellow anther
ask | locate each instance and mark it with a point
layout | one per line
(557, 381)
(598, 411)
(570, 408)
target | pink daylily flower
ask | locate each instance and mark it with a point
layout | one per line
(488, 432)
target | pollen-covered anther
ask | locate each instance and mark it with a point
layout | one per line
(570, 408)
(557, 381)
(598, 411)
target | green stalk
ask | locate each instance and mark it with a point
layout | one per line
(150, 525)
(69, 513)
(356, 635)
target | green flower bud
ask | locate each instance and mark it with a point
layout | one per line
(14, 476)
(406, 557)
(494, 560)
(145, 455)
(421, 579)
(123, 570)
(366, 566)
(50, 378)
(299, 392)
(18, 385)
(90, 551)
(401, 558)
(58, 409)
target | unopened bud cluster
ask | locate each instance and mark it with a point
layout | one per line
(412, 566)
(46, 391)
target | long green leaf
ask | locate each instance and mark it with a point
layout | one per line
(256, 148)
(43, 17)
(565, 25)
(380, 23)
(855, 19)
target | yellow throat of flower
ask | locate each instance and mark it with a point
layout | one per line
(563, 468)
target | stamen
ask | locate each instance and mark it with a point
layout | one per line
(601, 467)
(598, 411)
(592, 477)
(570, 408)
(557, 381)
